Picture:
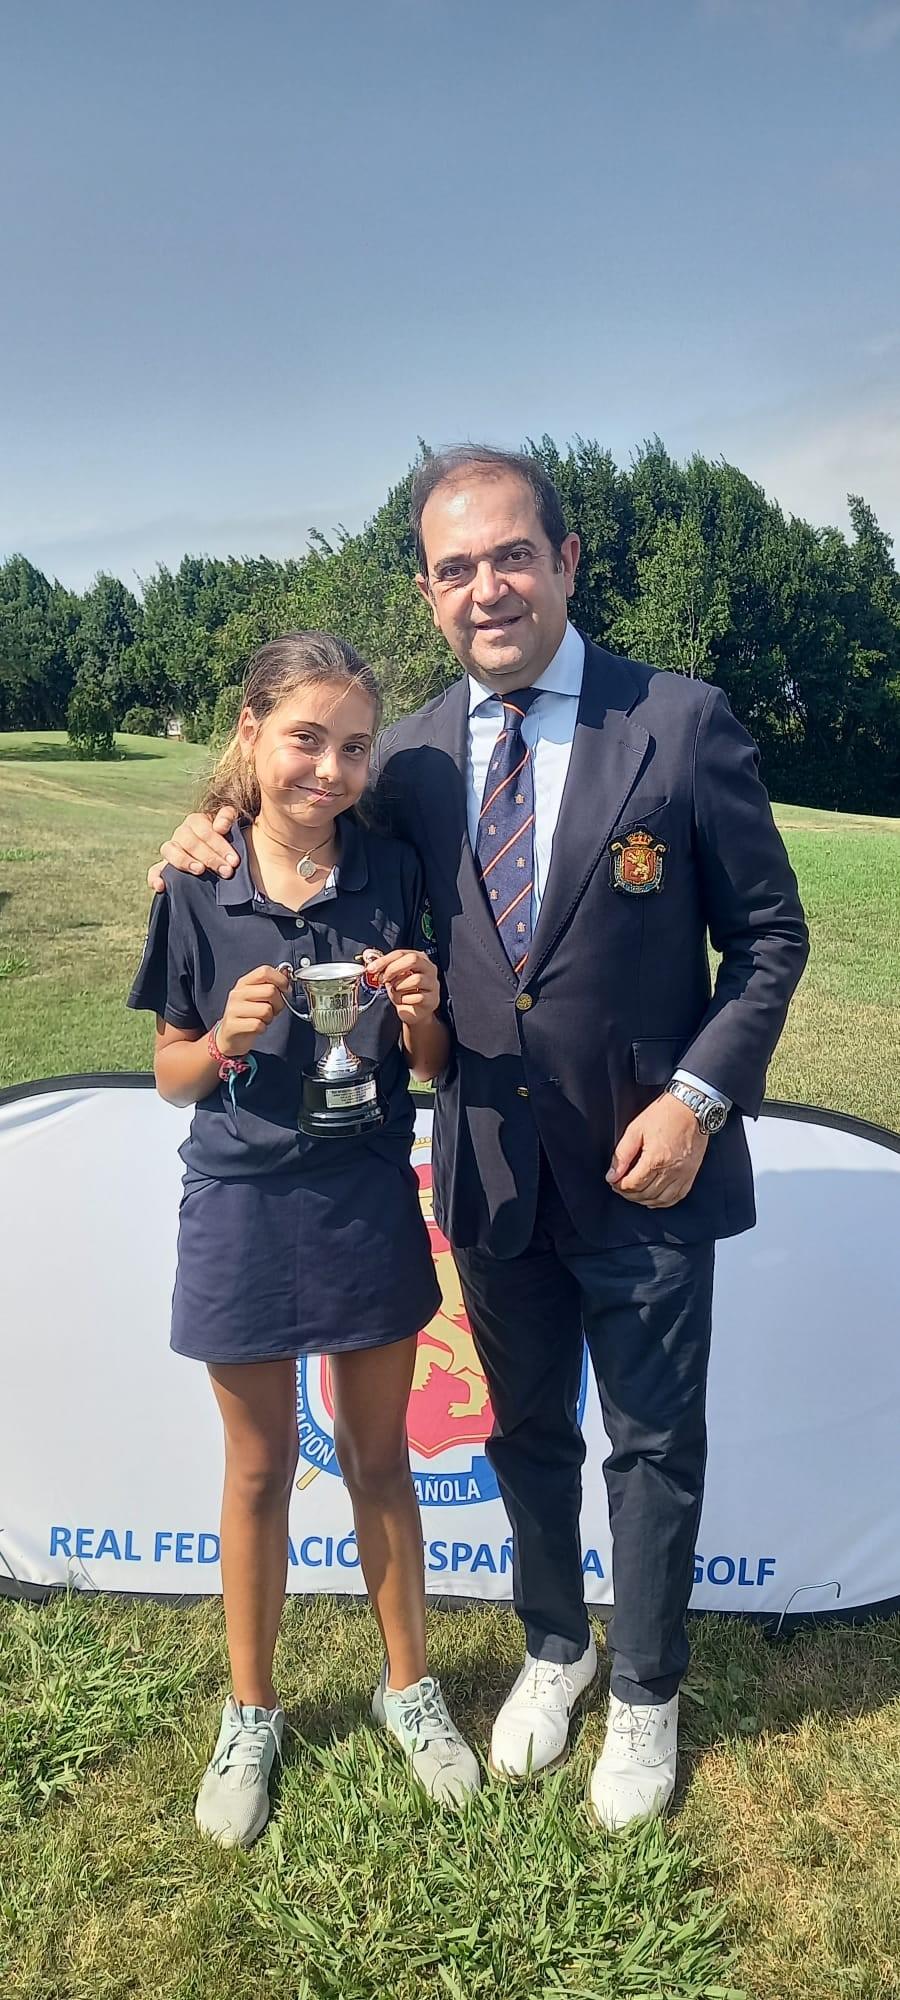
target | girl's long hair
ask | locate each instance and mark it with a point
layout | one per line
(298, 659)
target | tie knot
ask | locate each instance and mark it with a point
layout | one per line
(517, 704)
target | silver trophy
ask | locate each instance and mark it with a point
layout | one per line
(341, 1096)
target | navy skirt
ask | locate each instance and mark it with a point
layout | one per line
(314, 1263)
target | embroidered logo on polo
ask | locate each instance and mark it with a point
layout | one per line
(426, 925)
(636, 862)
(449, 1418)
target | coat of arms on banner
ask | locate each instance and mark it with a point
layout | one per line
(637, 862)
(449, 1418)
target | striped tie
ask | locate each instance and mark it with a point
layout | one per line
(504, 845)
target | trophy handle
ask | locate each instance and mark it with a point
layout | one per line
(372, 991)
(294, 971)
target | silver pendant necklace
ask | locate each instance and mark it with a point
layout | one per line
(306, 866)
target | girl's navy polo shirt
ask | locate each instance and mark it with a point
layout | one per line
(205, 934)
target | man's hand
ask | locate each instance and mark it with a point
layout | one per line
(197, 844)
(410, 981)
(659, 1155)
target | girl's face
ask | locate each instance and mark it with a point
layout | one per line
(311, 754)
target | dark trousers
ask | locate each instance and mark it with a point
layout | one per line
(645, 1312)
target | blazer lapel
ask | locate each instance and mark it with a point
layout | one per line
(607, 753)
(444, 823)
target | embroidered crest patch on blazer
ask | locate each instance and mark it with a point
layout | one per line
(636, 862)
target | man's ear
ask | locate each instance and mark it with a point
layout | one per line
(424, 588)
(569, 553)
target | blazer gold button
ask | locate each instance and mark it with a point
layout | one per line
(522, 1090)
(523, 1002)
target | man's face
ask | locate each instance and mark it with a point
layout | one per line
(496, 587)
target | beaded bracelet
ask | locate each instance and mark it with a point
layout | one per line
(227, 1065)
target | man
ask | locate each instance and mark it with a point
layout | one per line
(584, 823)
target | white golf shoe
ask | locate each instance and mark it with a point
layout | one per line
(418, 1719)
(531, 1733)
(634, 1776)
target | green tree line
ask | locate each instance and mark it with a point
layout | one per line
(689, 566)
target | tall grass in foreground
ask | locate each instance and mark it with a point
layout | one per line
(778, 1876)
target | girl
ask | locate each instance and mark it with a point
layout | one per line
(288, 1244)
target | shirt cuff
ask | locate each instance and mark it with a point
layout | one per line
(697, 1083)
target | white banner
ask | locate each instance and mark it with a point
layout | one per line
(110, 1448)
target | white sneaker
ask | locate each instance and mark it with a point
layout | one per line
(233, 1801)
(418, 1719)
(531, 1732)
(634, 1776)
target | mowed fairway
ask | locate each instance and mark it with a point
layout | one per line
(76, 841)
(779, 1874)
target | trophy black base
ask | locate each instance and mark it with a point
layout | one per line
(342, 1109)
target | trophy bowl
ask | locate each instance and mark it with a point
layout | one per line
(341, 1097)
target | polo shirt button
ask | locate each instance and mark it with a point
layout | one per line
(522, 1090)
(523, 1002)
(304, 962)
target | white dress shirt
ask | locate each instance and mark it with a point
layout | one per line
(548, 731)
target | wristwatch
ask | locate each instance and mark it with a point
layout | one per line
(709, 1113)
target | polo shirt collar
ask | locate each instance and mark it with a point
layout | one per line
(563, 676)
(351, 868)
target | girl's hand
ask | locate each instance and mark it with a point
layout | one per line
(410, 982)
(251, 1005)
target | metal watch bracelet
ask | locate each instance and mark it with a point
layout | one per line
(709, 1113)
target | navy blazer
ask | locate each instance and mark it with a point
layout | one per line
(616, 993)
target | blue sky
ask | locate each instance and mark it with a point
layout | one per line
(253, 251)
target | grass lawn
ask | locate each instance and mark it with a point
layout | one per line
(779, 1874)
(76, 841)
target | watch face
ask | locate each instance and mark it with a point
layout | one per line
(714, 1118)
